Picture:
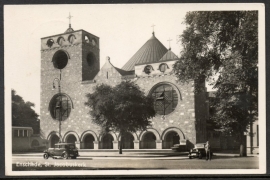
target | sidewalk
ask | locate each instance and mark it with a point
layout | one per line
(163, 153)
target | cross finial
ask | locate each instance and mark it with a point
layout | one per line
(69, 17)
(169, 42)
(153, 26)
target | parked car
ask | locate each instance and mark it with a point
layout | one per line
(198, 151)
(64, 150)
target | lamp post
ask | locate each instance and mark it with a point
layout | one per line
(59, 106)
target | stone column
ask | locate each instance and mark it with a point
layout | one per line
(78, 144)
(136, 144)
(115, 144)
(96, 144)
(158, 144)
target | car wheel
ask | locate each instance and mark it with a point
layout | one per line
(200, 156)
(189, 157)
(46, 156)
(65, 156)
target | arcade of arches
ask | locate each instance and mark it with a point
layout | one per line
(146, 140)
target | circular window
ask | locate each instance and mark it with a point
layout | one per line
(91, 59)
(60, 41)
(163, 67)
(50, 42)
(60, 107)
(166, 99)
(60, 59)
(148, 69)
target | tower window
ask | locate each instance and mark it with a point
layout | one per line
(60, 41)
(60, 59)
(50, 42)
(94, 42)
(91, 59)
(60, 107)
(86, 38)
(71, 38)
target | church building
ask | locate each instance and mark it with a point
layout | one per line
(70, 62)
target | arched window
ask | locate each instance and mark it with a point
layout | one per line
(60, 107)
(71, 38)
(94, 42)
(86, 39)
(60, 41)
(165, 97)
(60, 59)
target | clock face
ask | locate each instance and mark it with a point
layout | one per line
(166, 99)
(60, 107)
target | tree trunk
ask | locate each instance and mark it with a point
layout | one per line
(242, 146)
(120, 143)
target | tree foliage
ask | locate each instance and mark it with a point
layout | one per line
(123, 108)
(222, 47)
(23, 114)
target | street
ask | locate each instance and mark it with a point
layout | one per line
(131, 161)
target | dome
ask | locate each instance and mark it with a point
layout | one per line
(69, 29)
(150, 52)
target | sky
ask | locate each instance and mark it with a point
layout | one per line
(122, 30)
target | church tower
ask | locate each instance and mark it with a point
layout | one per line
(71, 58)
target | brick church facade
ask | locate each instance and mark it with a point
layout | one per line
(75, 56)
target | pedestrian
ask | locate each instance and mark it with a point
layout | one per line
(207, 148)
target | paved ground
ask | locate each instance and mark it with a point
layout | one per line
(132, 160)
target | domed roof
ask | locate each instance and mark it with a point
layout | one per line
(150, 52)
(69, 29)
(169, 56)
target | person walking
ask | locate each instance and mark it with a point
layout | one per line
(207, 148)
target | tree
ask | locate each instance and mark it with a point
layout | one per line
(23, 114)
(123, 108)
(222, 47)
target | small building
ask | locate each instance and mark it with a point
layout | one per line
(23, 139)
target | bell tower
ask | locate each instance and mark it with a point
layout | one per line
(72, 57)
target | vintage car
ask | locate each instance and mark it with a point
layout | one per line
(198, 151)
(64, 150)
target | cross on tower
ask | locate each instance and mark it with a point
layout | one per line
(169, 42)
(153, 27)
(69, 17)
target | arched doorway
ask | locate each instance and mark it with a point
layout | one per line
(107, 141)
(170, 139)
(54, 140)
(71, 139)
(89, 141)
(148, 141)
(127, 141)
